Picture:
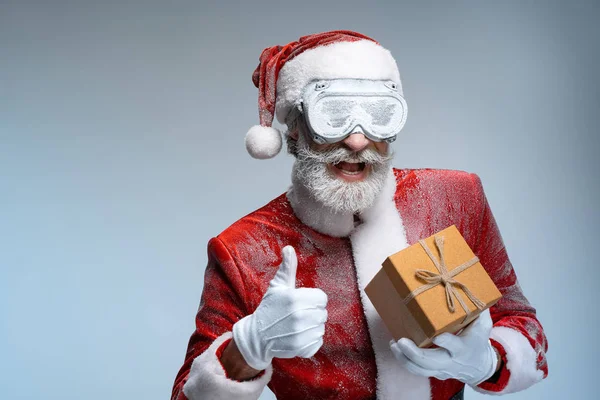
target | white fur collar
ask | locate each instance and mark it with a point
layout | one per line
(380, 235)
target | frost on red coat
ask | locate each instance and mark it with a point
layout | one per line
(244, 258)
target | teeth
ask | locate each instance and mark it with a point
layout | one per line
(350, 167)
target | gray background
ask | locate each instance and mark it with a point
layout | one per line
(121, 154)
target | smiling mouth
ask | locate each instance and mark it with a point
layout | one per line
(350, 168)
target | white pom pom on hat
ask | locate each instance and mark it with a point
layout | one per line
(263, 142)
(327, 55)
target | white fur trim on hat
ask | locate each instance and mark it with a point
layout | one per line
(263, 142)
(362, 59)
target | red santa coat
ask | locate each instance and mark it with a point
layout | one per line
(340, 257)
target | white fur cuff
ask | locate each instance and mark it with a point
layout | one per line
(207, 380)
(520, 360)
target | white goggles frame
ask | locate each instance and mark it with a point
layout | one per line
(361, 94)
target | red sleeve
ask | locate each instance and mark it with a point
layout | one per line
(221, 305)
(512, 315)
(219, 353)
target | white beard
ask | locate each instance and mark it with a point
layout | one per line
(311, 171)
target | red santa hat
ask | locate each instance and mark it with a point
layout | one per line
(284, 71)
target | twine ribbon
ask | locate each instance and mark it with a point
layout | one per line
(445, 278)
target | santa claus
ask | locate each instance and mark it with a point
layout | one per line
(283, 303)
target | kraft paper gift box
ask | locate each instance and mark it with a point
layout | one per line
(416, 300)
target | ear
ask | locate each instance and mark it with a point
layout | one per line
(293, 134)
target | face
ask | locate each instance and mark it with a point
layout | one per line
(345, 176)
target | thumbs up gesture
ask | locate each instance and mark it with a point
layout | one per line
(289, 322)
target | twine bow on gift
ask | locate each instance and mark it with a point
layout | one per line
(445, 278)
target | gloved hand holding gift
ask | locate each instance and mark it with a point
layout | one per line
(426, 294)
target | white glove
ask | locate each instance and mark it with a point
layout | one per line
(287, 323)
(468, 357)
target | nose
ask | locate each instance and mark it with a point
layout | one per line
(356, 142)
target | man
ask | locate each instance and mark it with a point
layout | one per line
(283, 301)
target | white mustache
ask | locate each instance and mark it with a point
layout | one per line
(339, 154)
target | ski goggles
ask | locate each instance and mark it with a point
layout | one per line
(334, 109)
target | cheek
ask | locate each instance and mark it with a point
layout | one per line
(319, 147)
(382, 147)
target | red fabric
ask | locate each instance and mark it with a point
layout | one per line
(432, 200)
(504, 373)
(273, 58)
(219, 353)
(243, 259)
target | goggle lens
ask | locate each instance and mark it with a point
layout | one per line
(334, 109)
